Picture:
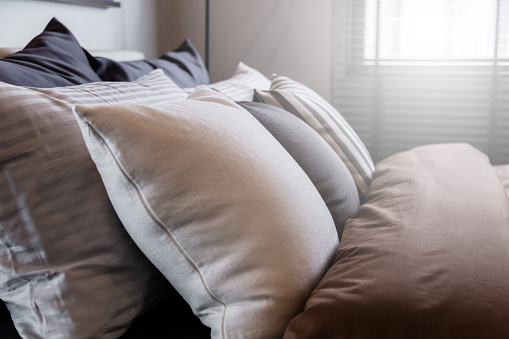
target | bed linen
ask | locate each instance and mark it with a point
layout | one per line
(243, 238)
(425, 257)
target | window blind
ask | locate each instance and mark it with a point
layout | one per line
(408, 73)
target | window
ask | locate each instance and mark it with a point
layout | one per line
(412, 72)
(431, 29)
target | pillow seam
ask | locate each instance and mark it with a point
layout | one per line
(158, 222)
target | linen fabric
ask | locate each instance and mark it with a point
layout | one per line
(68, 268)
(502, 172)
(306, 104)
(242, 237)
(425, 257)
(240, 86)
(183, 65)
(325, 169)
(53, 58)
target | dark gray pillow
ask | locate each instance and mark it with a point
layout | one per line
(53, 58)
(183, 65)
(323, 166)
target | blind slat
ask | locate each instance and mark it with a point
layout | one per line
(412, 95)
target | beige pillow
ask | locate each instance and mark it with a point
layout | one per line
(218, 205)
(425, 257)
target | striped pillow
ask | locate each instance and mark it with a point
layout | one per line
(240, 87)
(68, 268)
(327, 121)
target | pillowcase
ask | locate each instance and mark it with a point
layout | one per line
(300, 100)
(68, 268)
(183, 65)
(240, 87)
(425, 257)
(242, 237)
(53, 58)
(327, 172)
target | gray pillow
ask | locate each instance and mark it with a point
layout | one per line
(53, 58)
(243, 238)
(323, 166)
(309, 106)
(68, 268)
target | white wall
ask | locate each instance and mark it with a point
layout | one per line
(94, 27)
(131, 26)
(289, 37)
(150, 26)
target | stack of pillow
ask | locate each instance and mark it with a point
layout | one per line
(121, 178)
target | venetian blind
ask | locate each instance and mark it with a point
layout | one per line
(413, 72)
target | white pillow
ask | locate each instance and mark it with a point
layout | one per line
(68, 268)
(218, 205)
(240, 87)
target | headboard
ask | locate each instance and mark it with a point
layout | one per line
(118, 55)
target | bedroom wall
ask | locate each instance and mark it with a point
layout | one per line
(289, 37)
(132, 26)
(21, 20)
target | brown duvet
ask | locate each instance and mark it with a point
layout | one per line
(427, 255)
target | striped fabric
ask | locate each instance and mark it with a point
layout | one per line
(153, 88)
(68, 268)
(240, 87)
(303, 102)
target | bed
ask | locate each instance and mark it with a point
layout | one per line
(140, 200)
